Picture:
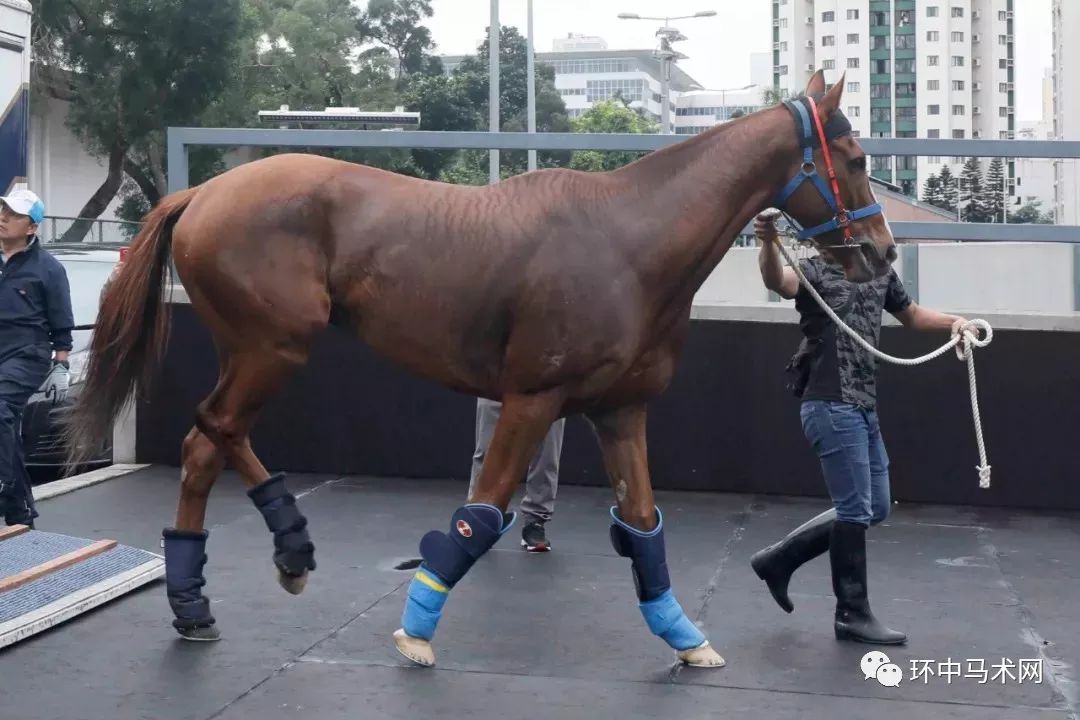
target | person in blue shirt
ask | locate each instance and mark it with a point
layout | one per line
(35, 338)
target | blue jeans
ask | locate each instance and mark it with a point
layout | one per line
(847, 440)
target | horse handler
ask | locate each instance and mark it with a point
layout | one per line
(35, 338)
(836, 380)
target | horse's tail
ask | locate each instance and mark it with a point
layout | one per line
(130, 333)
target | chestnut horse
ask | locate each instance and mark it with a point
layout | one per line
(556, 292)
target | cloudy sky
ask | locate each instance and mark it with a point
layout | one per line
(718, 47)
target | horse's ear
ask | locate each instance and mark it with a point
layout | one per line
(816, 86)
(831, 102)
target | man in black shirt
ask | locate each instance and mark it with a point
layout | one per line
(839, 417)
(35, 339)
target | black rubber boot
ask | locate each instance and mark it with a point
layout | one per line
(185, 557)
(294, 553)
(776, 563)
(854, 620)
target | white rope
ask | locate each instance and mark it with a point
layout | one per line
(968, 334)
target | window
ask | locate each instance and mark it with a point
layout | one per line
(905, 89)
(852, 14)
(853, 110)
(1003, 112)
(905, 66)
(931, 60)
(958, 110)
(933, 134)
(1002, 15)
(829, 16)
(1003, 87)
(933, 84)
(783, 46)
(782, 70)
(933, 109)
(932, 36)
(905, 42)
(905, 113)
(828, 64)
(783, 22)
(853, 62)
(957, 37)
(934, 159)
(879, 114)
(879, 19)
(879, 91)
(853, 38)
(958, 135)
(853, 87)
(931, 11)
(826, 41)
(879, 42)
(1003, 40)
(1002, 63)
(629, 90)
(1004, 135)
(881, 163)
(958, 85)
(958, 12)
(958, 61)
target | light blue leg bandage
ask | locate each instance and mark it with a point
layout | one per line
(474, 529)
(662, 612)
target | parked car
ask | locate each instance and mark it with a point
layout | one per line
(89, 267)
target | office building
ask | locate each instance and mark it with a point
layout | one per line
(913, 68)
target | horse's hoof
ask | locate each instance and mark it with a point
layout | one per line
(702, 656)
(416, 649)
(293, 584)
(200, 634)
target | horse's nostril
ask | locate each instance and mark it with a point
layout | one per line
(890, 254)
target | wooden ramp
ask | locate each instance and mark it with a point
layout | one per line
(47, 578)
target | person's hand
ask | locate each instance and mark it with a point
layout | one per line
(765, 228)
(957, 324)
(57, 383)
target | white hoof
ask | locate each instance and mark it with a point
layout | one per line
(702, 656)
(416, 649)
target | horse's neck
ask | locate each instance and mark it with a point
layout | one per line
(699, 194)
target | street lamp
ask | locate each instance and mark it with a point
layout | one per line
(667, 56)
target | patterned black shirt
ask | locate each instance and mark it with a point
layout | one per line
(841, 370)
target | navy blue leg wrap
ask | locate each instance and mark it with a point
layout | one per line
(294, 553)
(662, 612)
(185, 557)
(474, 529)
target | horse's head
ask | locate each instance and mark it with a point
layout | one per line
(830, 194)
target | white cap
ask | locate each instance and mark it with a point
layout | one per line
(27, 203)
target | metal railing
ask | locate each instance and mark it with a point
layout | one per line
(181, 138)
(53, 228)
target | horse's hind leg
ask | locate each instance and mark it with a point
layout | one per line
(637, 532)
(477, 525)
(250, 378)
(185, 543)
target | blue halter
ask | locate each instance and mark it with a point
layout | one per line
(837, 126)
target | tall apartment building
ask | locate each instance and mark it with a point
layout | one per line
(1066, 107)
(914, 68)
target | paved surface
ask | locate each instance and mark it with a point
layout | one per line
(556, 635)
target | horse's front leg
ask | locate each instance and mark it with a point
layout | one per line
(637, 532)
(478, 524)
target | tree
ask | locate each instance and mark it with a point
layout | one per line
(396, 25)
(932, 192)
(610, 116)
(950, 196)
(994, 201)
(550, 108)
(128, 69)
(971, 185)
(772, 96)
(1030, 213)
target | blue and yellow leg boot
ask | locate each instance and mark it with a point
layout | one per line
(294, 553)
(185, 556)
(662, 612)
(447, 556)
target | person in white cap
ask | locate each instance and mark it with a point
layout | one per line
(35, 338)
